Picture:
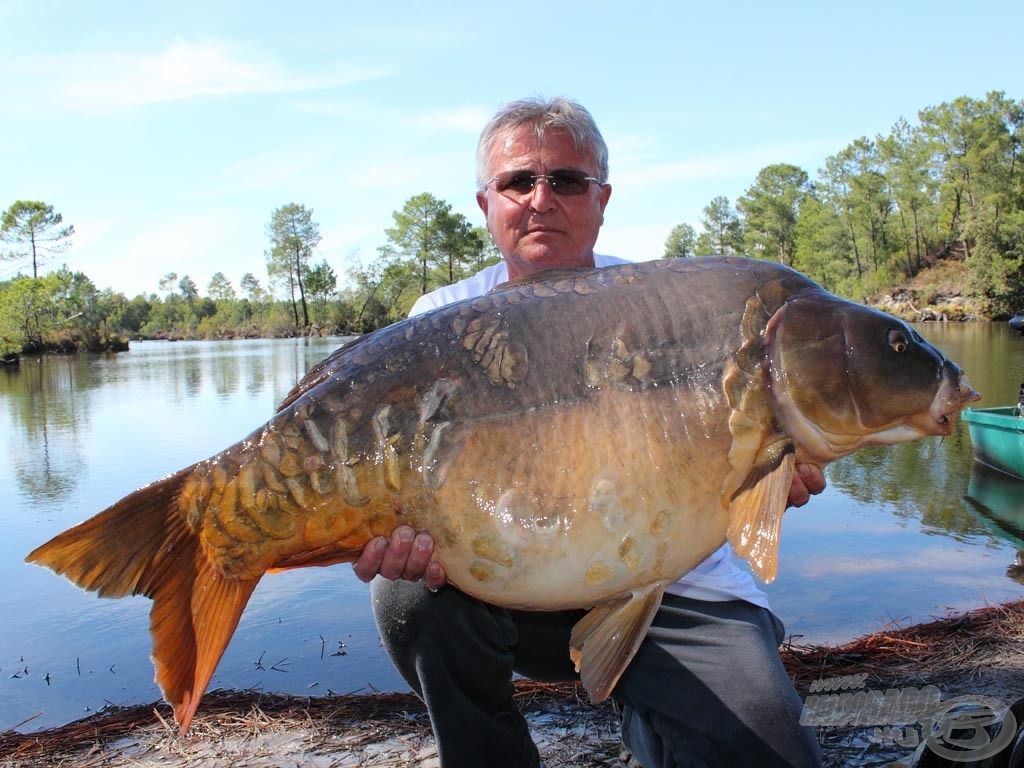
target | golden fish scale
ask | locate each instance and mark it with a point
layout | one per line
(290, 495)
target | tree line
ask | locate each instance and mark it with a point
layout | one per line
(429, 245)
(948, 189)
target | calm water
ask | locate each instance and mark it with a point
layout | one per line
(893, 539)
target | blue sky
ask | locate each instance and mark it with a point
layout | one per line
(167, 133)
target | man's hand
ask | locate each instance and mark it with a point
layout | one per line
(807, 480)
(405, 556)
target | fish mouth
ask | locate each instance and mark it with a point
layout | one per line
(816, 444)
(954, 394)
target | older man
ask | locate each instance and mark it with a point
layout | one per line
(707, 686)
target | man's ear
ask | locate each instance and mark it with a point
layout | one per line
(606, 193)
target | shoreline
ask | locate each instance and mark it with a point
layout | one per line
(978, 653)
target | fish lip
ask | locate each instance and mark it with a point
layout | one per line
(954, 394)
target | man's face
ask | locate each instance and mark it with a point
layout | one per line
(542, 229)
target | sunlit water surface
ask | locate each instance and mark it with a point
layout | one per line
(892, 540)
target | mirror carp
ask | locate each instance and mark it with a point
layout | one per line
(577, 440)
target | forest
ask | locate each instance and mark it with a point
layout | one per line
(932, 213)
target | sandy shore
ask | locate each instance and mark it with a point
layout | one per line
(978, 653)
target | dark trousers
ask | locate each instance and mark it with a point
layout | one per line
(707, 687)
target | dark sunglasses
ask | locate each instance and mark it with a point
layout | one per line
(565, 183)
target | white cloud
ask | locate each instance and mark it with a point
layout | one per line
(279, 168)
(742, 162)
(197, 245)
(959, 566)
(105, 82)
(462, 119)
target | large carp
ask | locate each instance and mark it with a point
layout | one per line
(580, 440)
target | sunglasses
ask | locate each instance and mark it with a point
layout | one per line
(521, 183)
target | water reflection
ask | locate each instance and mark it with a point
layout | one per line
(920, 481)
(256, 375)
(49, 407)
(990, 353)
(996, 501)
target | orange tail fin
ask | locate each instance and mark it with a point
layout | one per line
(143, 545)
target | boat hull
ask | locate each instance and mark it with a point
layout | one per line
(997, 435)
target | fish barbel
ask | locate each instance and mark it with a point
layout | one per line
(577, 440)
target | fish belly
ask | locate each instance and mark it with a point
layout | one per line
(620, 491)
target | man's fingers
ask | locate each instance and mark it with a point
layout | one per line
(368, 564)
(419, 556)
(435, 577)
(393, 566)
(807, 480)
(406, 555)
(798, 493)
(813, 477)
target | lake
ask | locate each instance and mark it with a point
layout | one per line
(892, 541)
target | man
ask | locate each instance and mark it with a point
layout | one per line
(707, 686)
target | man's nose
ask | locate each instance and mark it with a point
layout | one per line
(542, 198)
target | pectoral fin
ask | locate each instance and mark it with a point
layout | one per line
(605, 640)
(755, 515)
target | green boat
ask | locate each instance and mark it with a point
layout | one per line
(997, 435)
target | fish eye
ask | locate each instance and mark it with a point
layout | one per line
(898, 341)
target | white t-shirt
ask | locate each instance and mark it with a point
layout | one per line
(718, 577)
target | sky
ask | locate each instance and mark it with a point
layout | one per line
(168, 133)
